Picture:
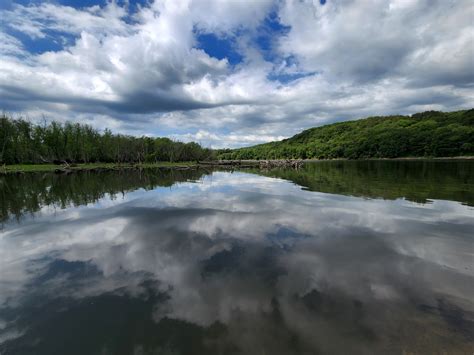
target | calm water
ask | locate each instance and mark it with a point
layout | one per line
(336, 258)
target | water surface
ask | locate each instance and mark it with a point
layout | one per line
(336, 258)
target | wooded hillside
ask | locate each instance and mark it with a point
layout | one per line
(426, 134)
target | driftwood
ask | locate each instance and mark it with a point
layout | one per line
(263, 164)
(288, 163)
(43, 160)
(225, 162)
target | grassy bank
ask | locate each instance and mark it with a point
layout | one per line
(24, 168)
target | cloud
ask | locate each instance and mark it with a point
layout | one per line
(39, 20)
(300, 64)
(10, 46)
(224, 140)
(372, 40)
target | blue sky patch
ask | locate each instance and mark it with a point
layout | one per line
(8, 4)
(267, 33)
(263, 39)
(219, 48)
(82, 3)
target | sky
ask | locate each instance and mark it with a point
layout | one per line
(232, 73)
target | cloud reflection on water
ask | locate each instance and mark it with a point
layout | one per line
(283, 269)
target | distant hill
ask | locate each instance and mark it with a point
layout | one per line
(426, 134)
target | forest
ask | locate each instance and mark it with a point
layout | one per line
(22, 142)
(426, 134)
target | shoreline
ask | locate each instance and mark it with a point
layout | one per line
(466, 157)
(64, 169)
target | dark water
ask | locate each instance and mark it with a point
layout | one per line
(336, 258)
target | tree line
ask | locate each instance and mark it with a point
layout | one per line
(22, 142)
(426, 134)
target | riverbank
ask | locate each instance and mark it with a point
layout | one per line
(291, 163)
(27, 168)
(69, 168)
(297, 163)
